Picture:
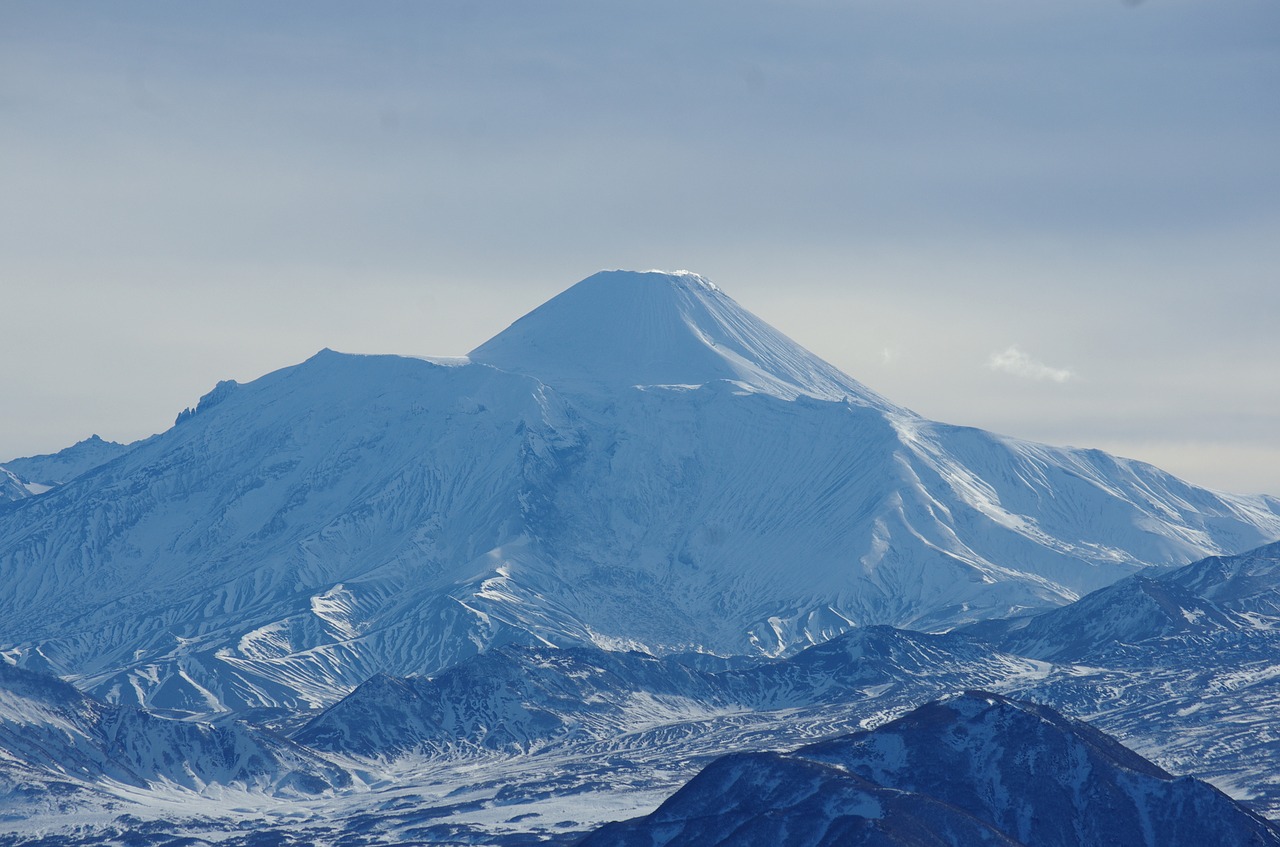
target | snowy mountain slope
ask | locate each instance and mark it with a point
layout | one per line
(57, 468)
(524, 698)
(523, 740)
(1135, 610)
(1203, 705)
(1040, 777)
(1181, 665)
(929, 516)
(1199, 703)
(638, 463)
(620, 329)
(1022, 770)
(516, 699)
(1247, 584)
(11, 487)
(1191, 684)
(1218, 594)
(529, 743)
(209, 563)
(895, 668)
(56, 741)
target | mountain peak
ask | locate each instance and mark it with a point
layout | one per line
(685, 277)
(661, 328)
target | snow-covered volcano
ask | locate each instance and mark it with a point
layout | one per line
(619, 329)
(640, 462)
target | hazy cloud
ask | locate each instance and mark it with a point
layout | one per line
(1018, 363)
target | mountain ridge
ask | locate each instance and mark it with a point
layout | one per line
(50, 470)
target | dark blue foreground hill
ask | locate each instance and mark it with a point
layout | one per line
(974, 769)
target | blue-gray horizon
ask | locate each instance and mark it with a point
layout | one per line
(1056, 222)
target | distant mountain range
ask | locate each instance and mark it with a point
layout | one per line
(26, 477)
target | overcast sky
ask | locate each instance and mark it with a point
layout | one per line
(1056, 219)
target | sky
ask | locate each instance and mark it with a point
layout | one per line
(1057, 220)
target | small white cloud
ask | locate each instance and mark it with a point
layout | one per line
(1018, 363)
(886, 356)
